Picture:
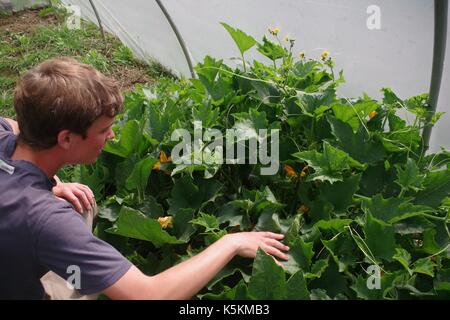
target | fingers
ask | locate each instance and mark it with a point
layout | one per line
(83, 197)
(278, 245)
(278, 262)
(88, 192)
(273, 246)
(275, 252)
(70, 196)
(273, 235)
(79, 195)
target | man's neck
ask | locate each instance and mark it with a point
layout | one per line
(46, 160)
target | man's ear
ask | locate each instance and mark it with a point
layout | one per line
(65, 139)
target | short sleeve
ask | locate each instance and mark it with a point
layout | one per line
(66, 246)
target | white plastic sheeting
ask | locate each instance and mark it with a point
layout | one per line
(397, 55)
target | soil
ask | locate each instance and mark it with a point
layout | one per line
(26, 22)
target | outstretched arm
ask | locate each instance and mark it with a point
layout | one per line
(187, 278)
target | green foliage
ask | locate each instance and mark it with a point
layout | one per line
(353, 188)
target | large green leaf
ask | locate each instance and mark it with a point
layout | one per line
(435, 188)
(310, 102)
(359, 146)
(208, 70)
(318, 268)
(216, 83)
(239, 292)
(268, 281)
(342, 248)
(150, 207)
(139, 176)
(271, 50)
(333, 281)
(133, 224)
(354, 114)
(242, 40)
(340, 194)
(268, 221)
(442, 281)
(296, 287)
(300, 256)
(414, 225)
(209, 222)
(249, 123)
(379, 238)
(266, 92)
(393, 210)
(328, 165)
(235, 267)
(157, 124)
(404, 257)
(182, 227)
(437, 239)
(128, 141)
(187, 193)
(333, 224)
(425, 266)
(206, 114)
(320, 210)
(410, 177)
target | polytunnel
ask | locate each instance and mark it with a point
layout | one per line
(377, 43)
(353, 203)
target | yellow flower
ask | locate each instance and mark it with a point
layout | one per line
(162, 159)
(274, 31)
(372, 114)
(301, 54)
(165, 222)
(290, 172)
(303, 173)
(303, 209)
(286, 37)
(325, 55)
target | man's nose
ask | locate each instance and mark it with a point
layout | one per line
(111, 134)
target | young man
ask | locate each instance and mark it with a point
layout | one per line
(65, 111)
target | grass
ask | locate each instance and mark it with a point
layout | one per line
(47, 36)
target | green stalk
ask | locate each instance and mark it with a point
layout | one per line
(243, 61)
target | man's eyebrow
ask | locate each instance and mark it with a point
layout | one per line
(109, 125)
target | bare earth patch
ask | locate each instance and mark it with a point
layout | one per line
(27, 22)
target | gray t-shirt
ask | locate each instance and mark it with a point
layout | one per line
(39, 232)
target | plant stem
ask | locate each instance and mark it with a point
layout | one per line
(243, 62)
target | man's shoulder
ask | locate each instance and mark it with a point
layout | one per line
(34, 209)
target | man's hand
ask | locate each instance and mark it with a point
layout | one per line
(79, 195)
(248, 243)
